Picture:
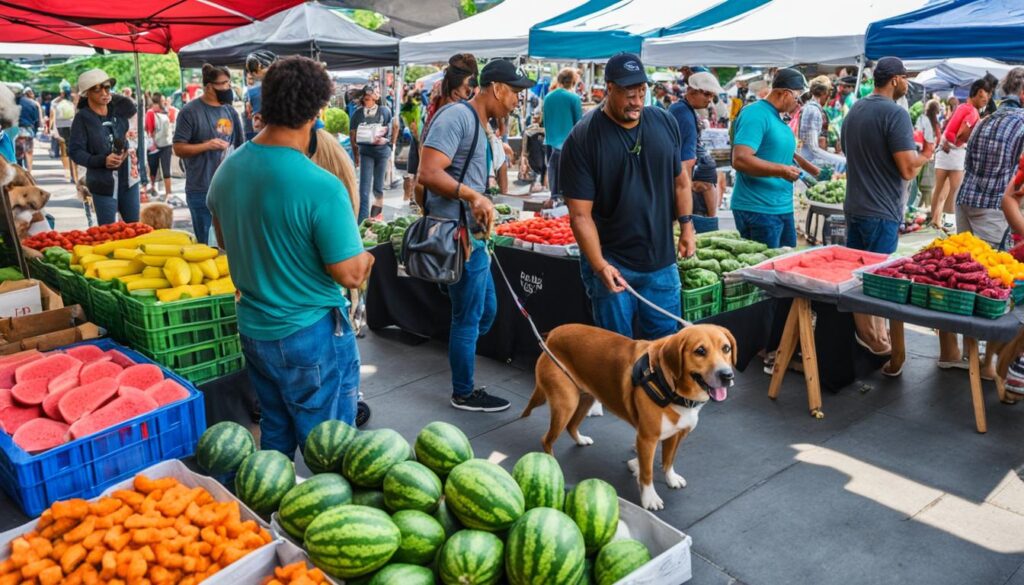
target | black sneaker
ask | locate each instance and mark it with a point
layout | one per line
(480, 401)
(362, 413)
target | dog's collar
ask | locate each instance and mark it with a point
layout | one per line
(653, 381)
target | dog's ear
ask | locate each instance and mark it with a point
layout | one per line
(668, 351)
(18, 196)
(732, 344)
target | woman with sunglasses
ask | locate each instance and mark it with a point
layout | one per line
(98, 143)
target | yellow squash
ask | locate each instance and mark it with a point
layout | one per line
(198, 253)
(177, 272)
(90, 258)
(222, 265)
(153, 260)
(209, 269)
(107, 247)
(127, 253)
(221, 286)
(170, 250)
(153, 272)
(182, 292)
(197, 274)
(144, 283)
(111, 272)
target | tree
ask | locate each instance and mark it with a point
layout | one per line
(156, 72)
(12, 72)
(367, 19)
(414, 72)
(468, 8)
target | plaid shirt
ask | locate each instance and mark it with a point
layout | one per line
(993, 152)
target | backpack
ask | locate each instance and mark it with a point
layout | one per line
(65, 110)
(163, 132)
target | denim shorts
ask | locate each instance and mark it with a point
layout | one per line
(771, 230)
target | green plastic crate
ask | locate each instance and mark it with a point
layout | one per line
(106, 312)
(74, 289)
(947, 300)
(703, 302)
(211, 371)
(151, 314)
(197, 355)
(896, 290)
(733, 303)
(44, 271)
(737, 289)
(990, 308)
(169, 338)
(1017, 292)
(919, 295)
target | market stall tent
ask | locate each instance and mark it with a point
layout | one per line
(310, 29)
(952, 28)
(781, 32)
(959, 73)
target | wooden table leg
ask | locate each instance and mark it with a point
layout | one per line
(810, 357)
(975, 372)
(790, 335)
(899, 347)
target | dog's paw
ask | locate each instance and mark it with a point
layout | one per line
(649, 498)
(583, 440)
(596, 409)
(674, 480)
(634, 466)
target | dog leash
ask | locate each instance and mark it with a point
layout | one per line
(640, 298)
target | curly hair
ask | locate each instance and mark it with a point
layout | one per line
(294, 91)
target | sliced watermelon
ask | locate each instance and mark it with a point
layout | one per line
(21, 356)
(5, 398)
(12, 417)
(51, 404)
(41, 434)
(30, 392)
(7, 369)
(48, 368)
(85, 399)
(141, 376)
(167, 392)
(119, 410)
(87, 353)
(120, 359)
(65, 381)
(98, 369)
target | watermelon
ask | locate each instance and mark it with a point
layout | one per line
(409, 485)
(447, 520)
(422, 537)
(588, 573)
(114, 412)
(167, 391)
(87, 353)
(541, 479)
(441, 446)
(350, 541)
(223, 447)
(594, 505)
(52, 401)
(544, 547)
(307, 500)
(371, 454)
(12, 417)
(403, 574)
(30, 392)
(120, 359)
(40, 434)
(49, 367)
(98, 369)
(484, 496)
(141, 376)
(85, 399)
(5, 398)
(263, 479)
(64, 382)
(371, 498)
(618, 559)
(9, 367)
(471, 557)
(325, 446)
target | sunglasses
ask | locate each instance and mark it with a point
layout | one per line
(101, 88)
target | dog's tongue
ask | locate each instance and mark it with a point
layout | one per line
(718, 394)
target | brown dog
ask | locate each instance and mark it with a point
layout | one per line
(696, 364)
(157, 215)
(26, 205)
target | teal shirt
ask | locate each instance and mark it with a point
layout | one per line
(283, 219)
(562, 109)
(760, 127)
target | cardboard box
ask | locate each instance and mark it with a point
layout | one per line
(19, 298)
(47, 330)
(670, 549)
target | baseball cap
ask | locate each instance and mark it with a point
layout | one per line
(887, 68)
(705, 81)
(92, 78)
(850, 80)
(789, 79)
(625, 69)
(504, 71)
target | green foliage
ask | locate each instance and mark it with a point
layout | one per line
(12, 72)
(915, 111)
(336, 121)
(414, 72)
(367, 19)
(468, 8)
(157, 72)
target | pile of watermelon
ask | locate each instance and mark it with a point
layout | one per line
(380, 511)
(48, 399)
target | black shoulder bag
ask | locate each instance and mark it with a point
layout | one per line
(435, 248)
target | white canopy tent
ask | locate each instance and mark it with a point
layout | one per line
(960, 73)
(38, 52)
(502, 31)
(781, 32)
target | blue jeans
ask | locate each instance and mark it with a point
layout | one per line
(703, 224)
(373, 163)
(202, 219)
(304, 379)
(616, 311)
(872, 234)
(769, 229)
(554, 158)
(474, 305)
(126, 203)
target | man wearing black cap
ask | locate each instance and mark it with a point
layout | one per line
(764, 156)
(625, 187)
(454, 174)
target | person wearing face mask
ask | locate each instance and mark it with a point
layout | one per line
(207, 130)
(373, 138)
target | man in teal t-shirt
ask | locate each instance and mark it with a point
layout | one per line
(764, 150)
(292, 239)
(562, 108)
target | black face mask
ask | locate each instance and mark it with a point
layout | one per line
(225, 96)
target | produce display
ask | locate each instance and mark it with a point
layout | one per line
(833, 264)
(719, 252)
(161, 532)
(1001, 266)
(828, 192)
(539, 230)
(912, 221)
(223, 447)
(94, 235)
(296, 573)
(263, 479)
(373, 231)
(957, 272)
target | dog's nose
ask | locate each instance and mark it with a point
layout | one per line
(725, 375)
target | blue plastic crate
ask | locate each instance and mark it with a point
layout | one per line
(85, 467)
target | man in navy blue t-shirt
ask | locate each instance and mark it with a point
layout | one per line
(701, 88)
(625, 187)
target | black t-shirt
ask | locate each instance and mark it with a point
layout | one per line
(633, 193)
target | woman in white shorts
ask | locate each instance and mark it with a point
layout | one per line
(949, 158)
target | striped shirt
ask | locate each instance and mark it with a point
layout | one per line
(993, 152)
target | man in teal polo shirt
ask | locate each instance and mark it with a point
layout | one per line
(763, 154)
(292, 238)
(562, 108)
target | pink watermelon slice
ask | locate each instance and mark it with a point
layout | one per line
(47, 368)
(98, 369)
(141, 376)
(12, 417)
(8, 368)
(117, 411)
(85, 399)
(5, 398)
(30, 392)
(41, 434)
(51, 404)
(65, 381)
(87, 353)
(120, 359)
(166, 392)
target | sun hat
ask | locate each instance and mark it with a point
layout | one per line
(704, 81)
(92, 78)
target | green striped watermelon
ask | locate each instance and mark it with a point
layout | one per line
(263, 479)
(587, 578)
(618, 559)
(325, 446)
(371, 498)
(349, 541)
(471, 557)
(371, 454)
(484, 496)
(541, 479)
(223, 447)
(448, 521)
(422, 537)
(594, 505)
(544, 547)
(403, 574)
(441, 446)
(411, 486)
(307, 500)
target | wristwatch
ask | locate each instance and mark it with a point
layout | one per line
(685, 219)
